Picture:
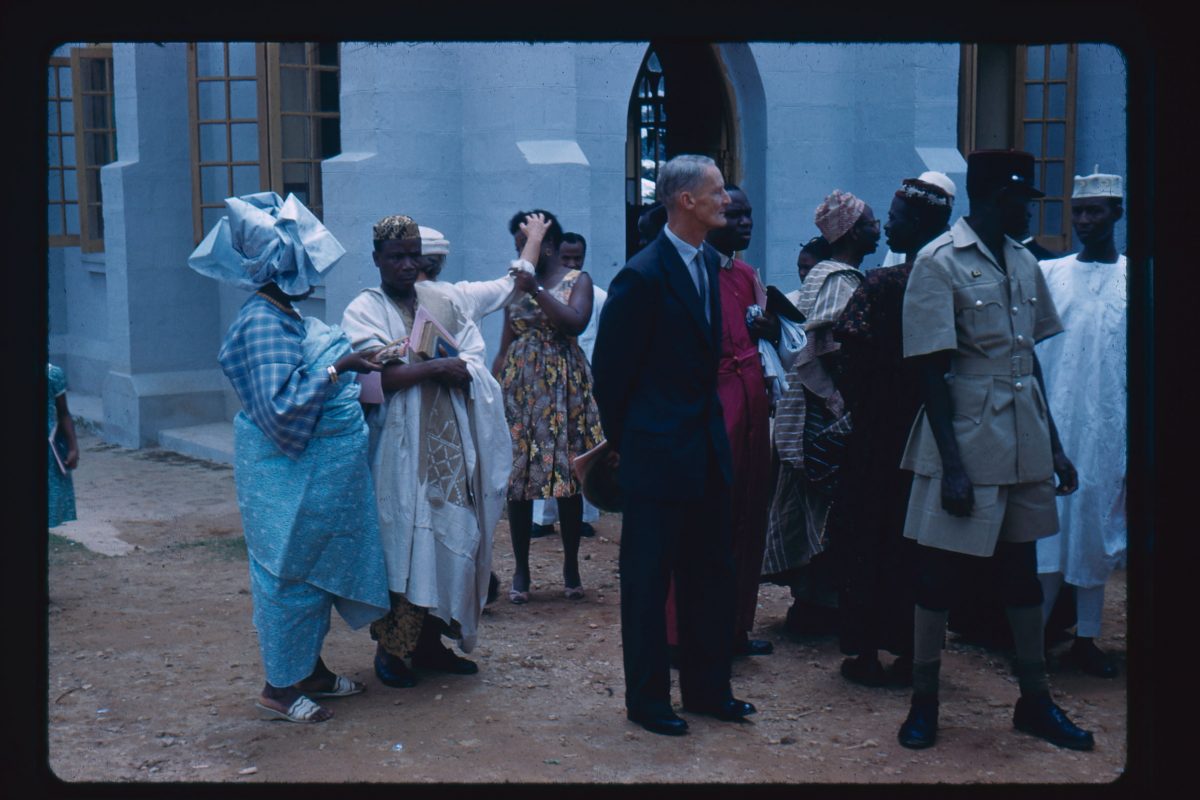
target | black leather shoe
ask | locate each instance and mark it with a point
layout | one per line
(392, 671)
(1093, 660)
(539, 531)
(864, 673)
(919, 729)
(442, 659)
(731, 710)
(1039, 716)
(754, 647)
(666, 724)
(586, 530)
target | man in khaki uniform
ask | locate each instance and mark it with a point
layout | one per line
(984, 448)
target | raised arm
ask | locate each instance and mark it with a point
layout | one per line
(570, 317)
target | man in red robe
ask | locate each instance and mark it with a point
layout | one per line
(744, 401)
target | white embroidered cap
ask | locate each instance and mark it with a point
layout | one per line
(433, 243)
(1097, 185)
(940, 180)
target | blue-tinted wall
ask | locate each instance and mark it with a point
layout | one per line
(461, 135)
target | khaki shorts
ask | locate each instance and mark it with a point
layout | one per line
(1021, 512)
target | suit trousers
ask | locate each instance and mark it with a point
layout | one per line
(689, 540)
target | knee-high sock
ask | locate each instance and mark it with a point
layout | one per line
(1051, 583)
(929, 632)
(1089, 607)
(1026, 623)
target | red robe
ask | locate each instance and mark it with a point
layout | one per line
(743, 393)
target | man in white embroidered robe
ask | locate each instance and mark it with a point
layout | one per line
(440, 459)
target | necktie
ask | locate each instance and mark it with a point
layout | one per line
(698, 274)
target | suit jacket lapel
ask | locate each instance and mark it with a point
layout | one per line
(679, 281)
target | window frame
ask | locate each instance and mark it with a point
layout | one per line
(64, 239)
(269, 119)
(1059, 240)
(971, 72)
(91, 241)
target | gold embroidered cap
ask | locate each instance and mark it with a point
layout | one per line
(396, 226)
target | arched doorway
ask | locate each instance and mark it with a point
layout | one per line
(681, 103)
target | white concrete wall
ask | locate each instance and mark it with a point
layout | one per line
(162, 316)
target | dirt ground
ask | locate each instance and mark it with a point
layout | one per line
(154, 668)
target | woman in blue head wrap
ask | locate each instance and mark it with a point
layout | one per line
(304, 488)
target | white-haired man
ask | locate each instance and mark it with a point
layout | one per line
(655, 370)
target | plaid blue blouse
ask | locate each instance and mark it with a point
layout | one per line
(263, 357)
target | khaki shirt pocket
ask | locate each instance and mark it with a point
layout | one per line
(969, 394)
(981, 316)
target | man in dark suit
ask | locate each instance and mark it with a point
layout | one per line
(655, 382)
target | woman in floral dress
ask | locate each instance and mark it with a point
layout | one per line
(547, 392)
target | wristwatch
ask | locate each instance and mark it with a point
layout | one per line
(537, 291)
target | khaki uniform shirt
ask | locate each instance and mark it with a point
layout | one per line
(959, 299)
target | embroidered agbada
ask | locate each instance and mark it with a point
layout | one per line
(440, 458)
(876, 563)
(308, 512)
(797, 516)
(745, 407)
(1084, 370)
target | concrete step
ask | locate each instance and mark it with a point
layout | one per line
(212, 441)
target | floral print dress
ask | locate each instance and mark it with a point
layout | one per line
(547, 399)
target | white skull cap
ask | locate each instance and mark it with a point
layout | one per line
(940, 180)
(433, 243)
(1097, 185)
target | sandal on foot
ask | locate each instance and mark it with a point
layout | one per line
(518, 598)
(342, 687)
(574, 593)
(303, 710)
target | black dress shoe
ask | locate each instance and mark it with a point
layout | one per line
(442, 659)
(754, 647)
(919, 729)
(666, 723)
(1093, 660)
(1038, 715)
(864, 673)
(731, 710)
(586, 530)
(392, 671)
(538, 531)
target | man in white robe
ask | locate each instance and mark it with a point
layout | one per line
(440, 458)
(1084, 371)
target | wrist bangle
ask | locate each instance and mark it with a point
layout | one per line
(333, 373)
